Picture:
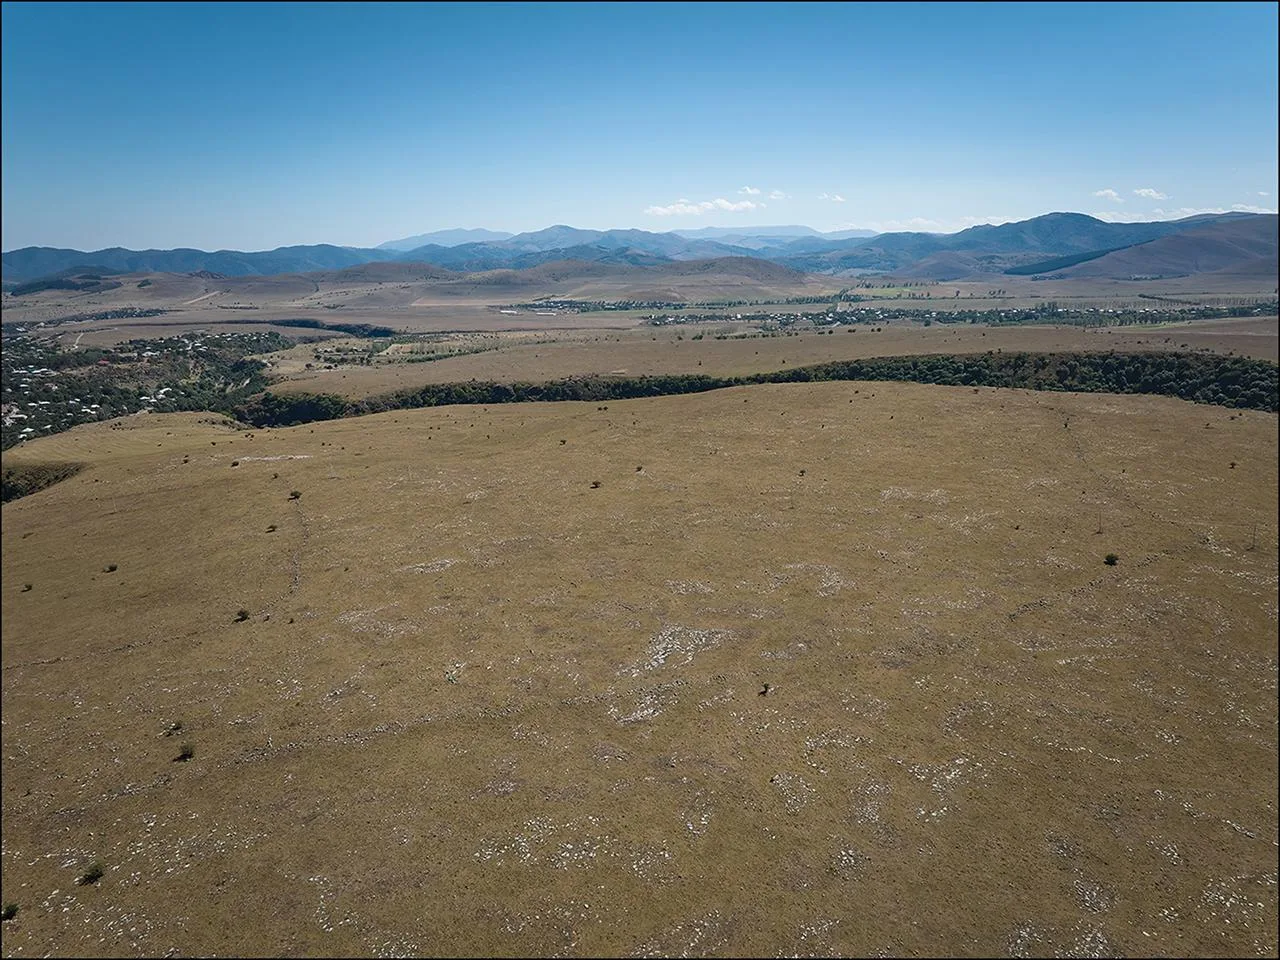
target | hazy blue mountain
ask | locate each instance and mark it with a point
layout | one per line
(30, 263)
(1059, 233)
(983, 249)
(765, 238)
(670, 245)
(557, 237)
(849, 234)
(445, 238)
(716, 233)
(987, 248)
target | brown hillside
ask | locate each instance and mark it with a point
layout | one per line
(813, 668)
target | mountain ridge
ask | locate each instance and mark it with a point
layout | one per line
(981, 250)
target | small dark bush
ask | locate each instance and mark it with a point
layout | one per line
(235, 463)
(185, 753)
(110, 568)
(26, 587)
(595, 484)
(242, 615)
(295, 494)
(1111, 560)
(91, 875)
(271, 528)
(10, 911)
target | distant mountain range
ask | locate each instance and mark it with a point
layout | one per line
(1057, 244)
(445, 238)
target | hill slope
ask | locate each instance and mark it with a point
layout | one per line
(1248, 245)
(476, 706)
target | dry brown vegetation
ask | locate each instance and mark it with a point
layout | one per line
(815, 669)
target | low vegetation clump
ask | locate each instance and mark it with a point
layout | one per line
(92, 874)
(22, 480)
(1111, 560)
(9, 912)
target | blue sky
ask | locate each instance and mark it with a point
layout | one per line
(258, 125)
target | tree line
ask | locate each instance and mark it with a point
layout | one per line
(1239, 382)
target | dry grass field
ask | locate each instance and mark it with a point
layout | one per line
(662, 350)
(808, 669)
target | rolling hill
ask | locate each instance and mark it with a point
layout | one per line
(755, 672)
(1239, 245)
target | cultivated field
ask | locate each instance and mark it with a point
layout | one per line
(795, 669)
(660, 350)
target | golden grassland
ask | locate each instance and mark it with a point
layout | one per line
(535, 357)
(814, 669)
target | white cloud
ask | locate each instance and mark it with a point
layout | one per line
(779, 195)
(690, 208)
(833, 197)
(1150, 194)
(1180, 212)
(1109, 194)
(671, 210)
(749, 191)
(1263, 193)
(924, 224)
(723, 204)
